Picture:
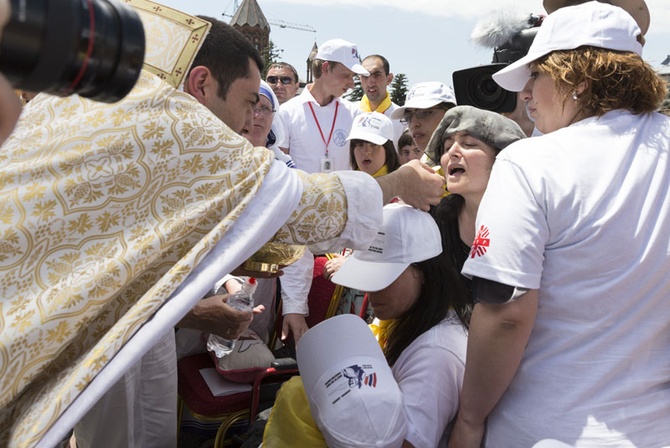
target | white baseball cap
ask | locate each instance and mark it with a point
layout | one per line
(425, 95)
(372, 127)
(593, 23)
(353, 396)
(407, 236)
(344, 52)
(636, 8)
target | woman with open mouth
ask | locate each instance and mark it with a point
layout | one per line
(371, 145)
(465, 144)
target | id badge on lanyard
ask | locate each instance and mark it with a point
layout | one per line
(326, 165)
(326, 162)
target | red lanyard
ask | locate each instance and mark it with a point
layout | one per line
(332, 128)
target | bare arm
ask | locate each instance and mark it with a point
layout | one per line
(497, 339)
(415, 183)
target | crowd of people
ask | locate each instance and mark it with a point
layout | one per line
(526, 306)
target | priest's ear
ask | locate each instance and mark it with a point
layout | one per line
(199, 83)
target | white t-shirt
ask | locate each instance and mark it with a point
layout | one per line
(430, 374)
(303, 139)
(583, 214)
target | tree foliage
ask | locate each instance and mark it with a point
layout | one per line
(399, 89)
(357, 93)
(270, 55)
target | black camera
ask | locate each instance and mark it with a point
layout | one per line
(94, 48)
(475, 86)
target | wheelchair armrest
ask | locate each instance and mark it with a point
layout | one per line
(284, 364)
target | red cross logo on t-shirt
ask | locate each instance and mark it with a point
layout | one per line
(480, 243)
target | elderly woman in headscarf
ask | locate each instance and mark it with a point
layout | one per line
(263, 132)
(569, 334)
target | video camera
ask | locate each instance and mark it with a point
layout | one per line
(476, 87)
(94, 48)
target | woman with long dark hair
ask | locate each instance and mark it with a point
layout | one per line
(465, 144)
(421, 314)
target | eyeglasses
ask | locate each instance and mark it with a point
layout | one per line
(263, 111)
(419, 114)
(286, 80)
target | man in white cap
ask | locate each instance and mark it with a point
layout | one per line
(315, 126)
(317, 122)
(423, 110)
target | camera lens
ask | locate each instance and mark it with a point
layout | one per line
(475, 87)
(94, 48)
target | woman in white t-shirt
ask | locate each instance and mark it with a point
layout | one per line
(422, 312)
(569, 336)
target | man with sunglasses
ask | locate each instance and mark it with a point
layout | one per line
(283, 79)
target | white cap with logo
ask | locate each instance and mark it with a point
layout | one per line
(353, 396)
(425, 95)
(593, 24)
(407, 236)
(372, 127)
(344, 52)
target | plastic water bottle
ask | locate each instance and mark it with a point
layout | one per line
(242, 300)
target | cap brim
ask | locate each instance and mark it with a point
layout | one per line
(367, 276)
(368, 137)
(359, 70)
(515, 76)
(636, 8)
(417, 104)
(398, 113)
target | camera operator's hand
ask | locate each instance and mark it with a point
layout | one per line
(10, 108)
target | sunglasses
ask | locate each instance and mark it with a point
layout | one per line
(286, 80)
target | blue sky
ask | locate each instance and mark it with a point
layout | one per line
(427, 40)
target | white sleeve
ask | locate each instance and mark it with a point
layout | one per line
(512, 229)
(280, 125)
(295, 285)
(364, 213)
